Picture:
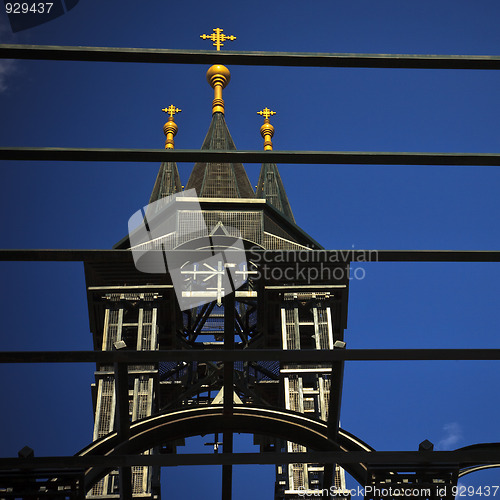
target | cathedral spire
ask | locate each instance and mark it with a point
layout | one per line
(168, 180)
(270, 186)
(219, 180)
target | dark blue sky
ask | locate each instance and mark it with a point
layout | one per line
(392, 406)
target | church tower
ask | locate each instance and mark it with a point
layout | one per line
(235, 299)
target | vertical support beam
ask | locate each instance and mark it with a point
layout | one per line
(328, 476)
(98, 410)
(335, 399)
(334, 415)
(154, 328)
(119, 326)
(140, 320)
(283, 329)
(229, 319)
(105, 330)
(125, 483)
(122, 403)
(123, 424)
(227, 470)
(336, 384)
(296, 330)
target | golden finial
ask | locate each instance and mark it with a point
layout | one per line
(218, 76)
(170, 128)
(267, 130)
(218, 37)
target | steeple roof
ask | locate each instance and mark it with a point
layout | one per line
(220, 180)
(270, 187)
(167, 182)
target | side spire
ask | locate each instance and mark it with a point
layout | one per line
(168, 180)
(270, 186)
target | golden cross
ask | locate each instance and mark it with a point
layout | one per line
(266, 113)
(218, 37)
(171, 110)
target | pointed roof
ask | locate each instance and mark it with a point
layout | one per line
(270, 187)
(167, 182)
(220, 180)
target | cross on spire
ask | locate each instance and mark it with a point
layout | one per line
(171, 110)
(218, 37)
(267, 130)
(266, 113)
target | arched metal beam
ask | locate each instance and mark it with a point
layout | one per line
(470, 470)
(276, 422)
(291, 426)
(476, 468)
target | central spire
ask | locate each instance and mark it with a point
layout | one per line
(219, 180)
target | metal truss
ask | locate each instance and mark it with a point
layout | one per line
(369, 467)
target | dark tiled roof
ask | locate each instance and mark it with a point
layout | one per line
(270, 187)
(220, 180)
(167, 182)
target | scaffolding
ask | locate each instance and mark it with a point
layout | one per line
(301, 350)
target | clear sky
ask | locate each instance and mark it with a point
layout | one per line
(391, 406)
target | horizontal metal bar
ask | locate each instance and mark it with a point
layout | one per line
(302, 257)
(309, 59)
(45, 473)
(60, 255)
(306, 370)
(303, 355)
(128, 288)
(341, 457)
(304, 287)
(196, 155)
